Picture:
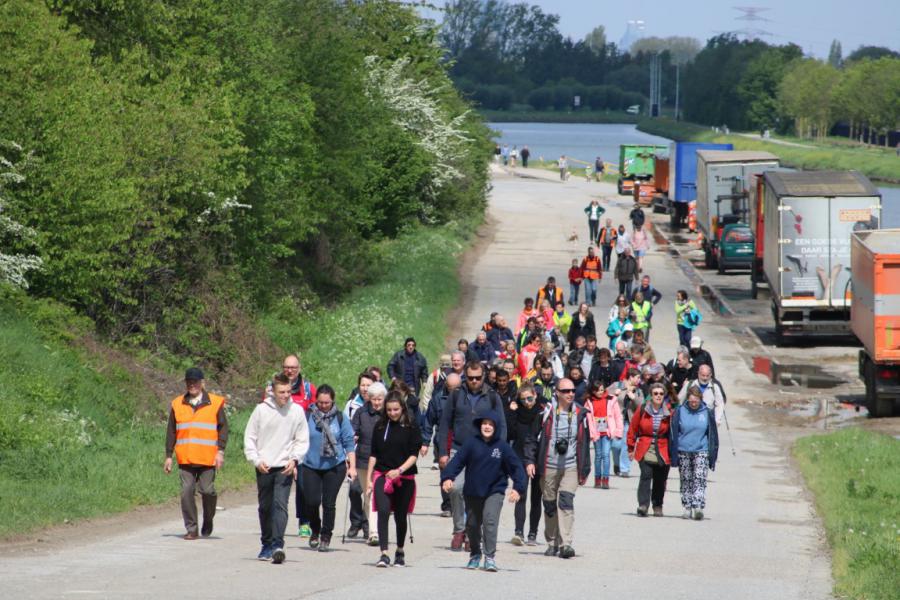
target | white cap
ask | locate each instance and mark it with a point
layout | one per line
(629, 327)
(696, 342)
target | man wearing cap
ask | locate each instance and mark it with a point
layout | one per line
(196, 433)
(699, 356)
(409, 366)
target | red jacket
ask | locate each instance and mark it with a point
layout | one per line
(640, 434)
(575, 275)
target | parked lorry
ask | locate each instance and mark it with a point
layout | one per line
(808, 219)
(636, 164)
(723, 196)
(758, 228)
(682, 181)
(646, 191)
(875, 316)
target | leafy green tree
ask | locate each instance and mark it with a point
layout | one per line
(871, 52)
(758, 87)
(836, 55)
(805, 95)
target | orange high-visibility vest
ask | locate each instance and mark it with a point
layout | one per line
(591, 267)
(197, 431)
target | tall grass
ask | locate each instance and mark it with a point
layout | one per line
(855, 476)
(875, 162)
(74, 444)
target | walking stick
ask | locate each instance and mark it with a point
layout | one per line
(412, 539)
(730, 439)
(346, 513)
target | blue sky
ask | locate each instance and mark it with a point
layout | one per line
(811, 24)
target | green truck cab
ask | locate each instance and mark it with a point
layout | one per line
(636, 162)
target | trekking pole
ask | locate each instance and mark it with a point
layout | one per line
(730, 439)
(346, 513)
(412, 539)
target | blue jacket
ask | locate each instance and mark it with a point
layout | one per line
(342, 431)
(488, 464)
(712, 434)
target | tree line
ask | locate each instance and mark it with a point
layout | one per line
(174, 167)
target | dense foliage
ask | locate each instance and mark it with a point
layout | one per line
(194, 160)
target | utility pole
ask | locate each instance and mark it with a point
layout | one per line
(677, 88)
(655, 85)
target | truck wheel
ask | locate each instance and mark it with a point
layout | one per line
(673, 219)
(779, 335)
(619, 185)
(720, 267)
(878, 407)
(754, 287)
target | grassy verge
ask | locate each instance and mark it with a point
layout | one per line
(75, 443)
(877, 163)
(544, 116)
(855, 476)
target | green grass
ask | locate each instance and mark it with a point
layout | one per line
(855, 476)
(76, 440)
(416, 287)
(877, 163)
(549, 116)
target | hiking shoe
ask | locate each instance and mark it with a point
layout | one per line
(532, 539)
(642, 511)
(305, 531)
(446, 513)
(566, 552)
(207, 528)
(365, 531)
(314, 540)
(657, 511)
(616, 470)
(373, 539)
(190, 535)
(489, 565)
(598, 482)
(264, 554)
(474, 562)
(353, 532)
(324, 544)
(456, 542)
(605, 483)
(517, 539)
(277, 556)
(687, 514)
(399, 558)
(698, 514)
(551, 551)
(384, 561)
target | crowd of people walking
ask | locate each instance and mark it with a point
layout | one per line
(514, 415)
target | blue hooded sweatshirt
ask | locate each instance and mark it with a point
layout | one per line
(488, 463)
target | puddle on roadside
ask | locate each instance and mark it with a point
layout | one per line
(808, 376)
(712, 298)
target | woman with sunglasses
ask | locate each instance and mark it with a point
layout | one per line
(391, 472)
(523, 419)
(648, 443)
(607, 418)
(621, 302)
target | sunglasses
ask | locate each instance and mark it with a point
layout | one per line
(528, 398)
(474, 377)
(567, 391)
(659, 393)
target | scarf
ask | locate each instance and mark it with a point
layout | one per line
(323, 424)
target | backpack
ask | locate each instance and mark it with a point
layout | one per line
(493, 395)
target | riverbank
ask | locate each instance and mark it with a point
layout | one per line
(542, 116)
(879, 164)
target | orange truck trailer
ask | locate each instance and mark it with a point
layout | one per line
(875, 316)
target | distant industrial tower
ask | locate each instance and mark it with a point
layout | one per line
(634, 30)
(751, 15)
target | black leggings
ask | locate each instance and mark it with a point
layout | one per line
(320, 489)
(399, 500)
(534, 517)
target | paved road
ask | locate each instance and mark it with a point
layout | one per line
(761, 539)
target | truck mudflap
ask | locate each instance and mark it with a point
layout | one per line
(882, 386)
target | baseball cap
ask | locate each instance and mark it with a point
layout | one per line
(193, 374)
(696, 342)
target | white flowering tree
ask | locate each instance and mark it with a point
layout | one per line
(416, 108)
(13, 267)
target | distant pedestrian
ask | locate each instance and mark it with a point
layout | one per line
(599, 168)
(196, 434)
(497, 154)
(694, 446)
(591, 270)
(392, 473)
(623, 241)
(648, 443)
(489, 462)
(513, 157)
(640, 244)
(409, 366)
(594, 211)
(683, 305)
(576, 276)
(607, 417)
(626, 272)
(275, 441)
(606, 240)
(563, 163)
(700, 357)
(549, 292)
(582, 324)
(525, 154)
(642, 312)
(650, 292)
(637, 216)
(504, 153)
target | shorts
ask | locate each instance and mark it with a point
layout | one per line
(640, 252)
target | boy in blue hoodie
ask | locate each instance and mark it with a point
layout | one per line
(489, 461)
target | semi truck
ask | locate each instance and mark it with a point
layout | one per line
(635, 164)
(875, 316)
(808, 219)
(682, 180)
(723, 195)
(645, 192)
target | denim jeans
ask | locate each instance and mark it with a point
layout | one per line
(601, 456)
(573, 292)
(273, 490)
(620, 451)
(625, 288)
(607, 254)
(684, 336)
(590, 291)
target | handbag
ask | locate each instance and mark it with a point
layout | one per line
(651, 457)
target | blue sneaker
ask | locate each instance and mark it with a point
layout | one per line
(474, 562)
(490, 565)
(264, 554)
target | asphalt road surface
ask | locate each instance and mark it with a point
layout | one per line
(760, 539)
